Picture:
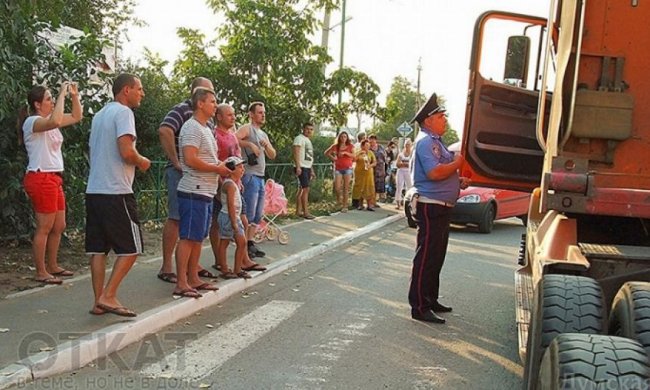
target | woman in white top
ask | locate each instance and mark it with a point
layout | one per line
(44, 178)
(403, 174)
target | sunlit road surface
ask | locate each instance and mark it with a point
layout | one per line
(340, 321)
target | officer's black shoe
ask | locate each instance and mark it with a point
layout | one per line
(440, 308)
(427, 316)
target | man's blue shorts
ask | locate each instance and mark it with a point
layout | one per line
(254, 197)
(196, 213)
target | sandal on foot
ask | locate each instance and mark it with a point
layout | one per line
(207, 287)
(63, 272)
(118, 310)
(228, 275)
(51, 280)
(187, 293)
(168, 277)
(216, 266)
(254, 267)
(204, 273)
(97, 311)
(244, 275)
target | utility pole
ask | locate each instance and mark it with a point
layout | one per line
(417, 96)
(325, 38)
(342, 41)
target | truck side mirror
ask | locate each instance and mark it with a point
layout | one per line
(516, 69)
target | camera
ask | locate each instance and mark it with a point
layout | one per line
(252, 159)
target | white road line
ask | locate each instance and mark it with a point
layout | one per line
(203, 356)
(318, 361)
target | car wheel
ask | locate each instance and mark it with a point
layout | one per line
(487, 223)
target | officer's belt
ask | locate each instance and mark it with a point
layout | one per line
(424, 199)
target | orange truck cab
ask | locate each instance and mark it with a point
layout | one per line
(567, 118)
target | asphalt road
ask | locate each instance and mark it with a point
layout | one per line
(340, 321)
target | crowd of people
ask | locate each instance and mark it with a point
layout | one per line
(214, 175)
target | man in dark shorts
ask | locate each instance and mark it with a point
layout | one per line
(111, 211)
(303, 160)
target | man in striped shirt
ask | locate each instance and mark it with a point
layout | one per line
(196, 189)
(169, 133)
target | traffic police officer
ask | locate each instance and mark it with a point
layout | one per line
(434, 172)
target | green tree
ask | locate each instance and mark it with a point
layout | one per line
(361, 94)
(266, 55)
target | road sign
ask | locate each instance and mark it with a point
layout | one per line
(404, 129)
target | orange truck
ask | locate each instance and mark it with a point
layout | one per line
(566, 116)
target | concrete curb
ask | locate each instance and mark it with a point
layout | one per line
(75, 354)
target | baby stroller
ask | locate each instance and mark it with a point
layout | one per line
(275, 204)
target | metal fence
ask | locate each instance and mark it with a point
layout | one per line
(151, 187)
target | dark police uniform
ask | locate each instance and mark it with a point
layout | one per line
(433, 214)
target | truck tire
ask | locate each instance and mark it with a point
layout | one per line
(565, 304)
(630, 314)
(582, 361)
(487, 222)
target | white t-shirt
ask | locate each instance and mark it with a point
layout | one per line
(306, 151)
(109, 173)
(193, 181)
(43, 148)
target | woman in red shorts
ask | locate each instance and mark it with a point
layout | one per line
(342, 154)
(44, 178)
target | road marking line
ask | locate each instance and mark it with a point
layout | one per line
(203, 356)
(318, 361)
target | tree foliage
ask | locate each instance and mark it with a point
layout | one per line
(267, 55)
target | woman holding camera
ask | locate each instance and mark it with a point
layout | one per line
(44, 178)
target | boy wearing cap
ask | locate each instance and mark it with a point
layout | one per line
(434, 171)
(229, 219)
(197, 187)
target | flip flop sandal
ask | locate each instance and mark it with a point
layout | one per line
(63, 272)
(50, 280)
(119, 310)
(255, 267)
(168, 277)
(244, 275)
(204, 273)
(187, 293)
(228, 275)
(96, 311)
(207, 287)
(216, 266)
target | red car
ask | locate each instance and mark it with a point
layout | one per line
(482, 206)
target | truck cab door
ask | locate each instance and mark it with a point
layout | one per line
(499, 138)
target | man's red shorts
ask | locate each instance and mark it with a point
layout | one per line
(45, 189)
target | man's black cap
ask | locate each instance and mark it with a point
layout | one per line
(429, 108)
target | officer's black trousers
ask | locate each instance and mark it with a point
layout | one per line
(433, 236)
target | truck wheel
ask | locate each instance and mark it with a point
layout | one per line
(630, 315)
(565, 304)
(487, 223)
(581, 361)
